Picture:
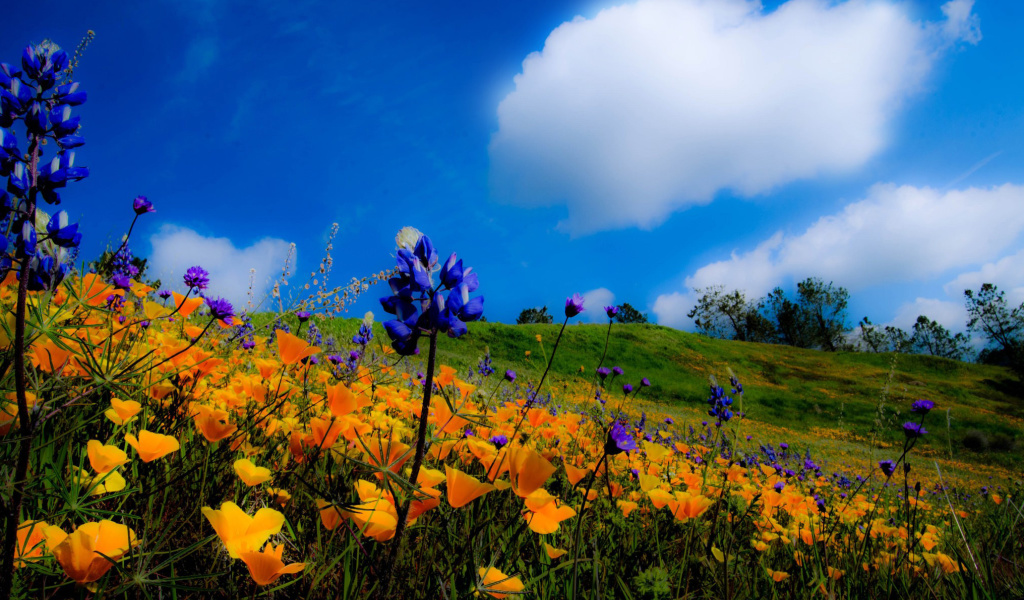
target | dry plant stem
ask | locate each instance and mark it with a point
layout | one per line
(417, 461)
(24, 426)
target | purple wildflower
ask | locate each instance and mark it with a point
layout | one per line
(221, 309)
(913, 430)
(197, 277)
(573, 305)
(142, 205)
(922, 407)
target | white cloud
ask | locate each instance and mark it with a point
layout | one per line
(175, 249)
(594, 302)
(896, 234)
(1007, 273)
(951, 315)
(655, 106)
(961, 23)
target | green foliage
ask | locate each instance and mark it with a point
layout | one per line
(652, 584)
(628, 314)
(534, 315)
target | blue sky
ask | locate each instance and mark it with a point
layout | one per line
(642, 149)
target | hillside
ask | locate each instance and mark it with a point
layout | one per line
(838, 396)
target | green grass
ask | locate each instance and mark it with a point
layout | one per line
(802, 390)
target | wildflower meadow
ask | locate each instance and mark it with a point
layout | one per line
(156, 444)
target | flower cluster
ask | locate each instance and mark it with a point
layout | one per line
(419, 305)
(32, 96)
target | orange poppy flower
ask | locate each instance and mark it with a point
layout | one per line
(292, 348)
(626, 507)
(186, 306)
(267, 567)
(528, 471)
(463, 488)
(553, 552)
(685, 506)
(122, 411)
(241, 532)
(213, 423)
(31, 542)
(105, 458)
(151, 446)
(493, 582)
(250, 474)
(89, 552)
(546, 519)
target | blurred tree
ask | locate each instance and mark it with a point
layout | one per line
(534, 315)
(628, 314)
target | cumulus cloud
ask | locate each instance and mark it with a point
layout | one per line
(594, 301)
(951, 315)
(655, 106)
(897, 233)
(1007, 273)
(175, 249)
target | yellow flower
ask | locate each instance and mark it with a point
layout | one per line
(111, 481)
(241, 532)
(250, 473)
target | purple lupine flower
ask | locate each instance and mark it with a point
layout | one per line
(221, 309)
(669, 421)
(121, 282)
(611, 311)
(197, 277)
(142, 205)
(922, 407)
(573, 305)
(61, 233)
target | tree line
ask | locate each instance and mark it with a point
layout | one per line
(816, 317)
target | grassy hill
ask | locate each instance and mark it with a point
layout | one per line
(843, 400)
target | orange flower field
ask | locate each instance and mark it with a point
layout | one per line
(168, 460)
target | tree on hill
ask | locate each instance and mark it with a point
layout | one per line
(534, 315)
(1003, 327)
(730, 316)
(628, 314)
(932, 338)
(882, 339)
(787, 319)
(824, 311)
